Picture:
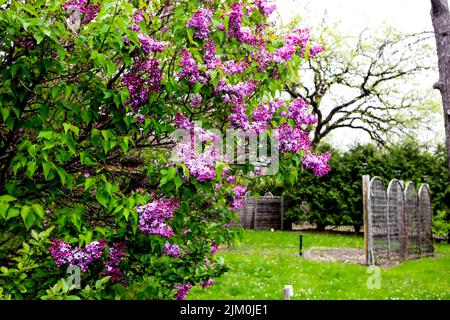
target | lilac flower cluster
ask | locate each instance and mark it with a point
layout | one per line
(172, 250)
(62, 253)
(297, 38)
(208, 283)
(149, 45)
(82, 7)
(201, 165)
(141, 81)
(265, 8)
(238, 193)
(183, 290)
(201, 22)
(235, 93)
(116, 254)
(297, 112)
(319, 164)
(292, 139)
(196, 100)
(315, 50)
(236, 29)
(183, 122)
(263, 57)
(266, 111)
(214, 248)
(210, 55)
(234, 67)
(191, 71)
(137, 17)
(153, 215)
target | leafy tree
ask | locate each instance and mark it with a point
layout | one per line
(91, 174)
(365, 83)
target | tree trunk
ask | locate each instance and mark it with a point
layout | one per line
(440, 16)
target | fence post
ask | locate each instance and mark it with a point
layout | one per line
(288, 292)
(365, 183)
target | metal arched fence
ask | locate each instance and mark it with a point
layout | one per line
(397, 220)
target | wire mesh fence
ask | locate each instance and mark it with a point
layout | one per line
(399, 221)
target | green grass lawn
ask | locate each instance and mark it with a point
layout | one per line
(263, 262)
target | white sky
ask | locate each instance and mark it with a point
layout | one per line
(355, 15)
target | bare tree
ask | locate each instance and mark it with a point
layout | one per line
(440, 16)
(362, 83)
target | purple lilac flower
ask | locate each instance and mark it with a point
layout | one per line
(183, 290)
(292, 139)
(315, 50)
(201, 165)
(142, 80)
(153, 215)
(266, 111)
(116, 254)
(84, 8)
(191, 71)
(234, 67)
(235, 25)
(172, 250)
(297, 112)
(201, 22)
(238, 192)
(183, 122)
(210, 51)
(149, 45)
(263, 57)
(208, 283)
(297, 38)
(196, 100)
(62, 253)
(138, 17)
(214, 248)
(265, 8)
(260, 171)
(319, 164)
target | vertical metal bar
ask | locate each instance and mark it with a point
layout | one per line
(366, 182)
(300, 245)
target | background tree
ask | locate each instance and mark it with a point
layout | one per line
(365, 83)
(336, 199)
(440, 16)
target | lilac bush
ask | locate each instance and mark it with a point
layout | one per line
(91, 95)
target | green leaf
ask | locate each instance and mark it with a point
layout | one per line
(178, 182)
(126, 213)
(45, 134)
(38, 210)
(7, 198)
(27, 216)
(102, 198)
(5, 113)
(171, 173)
(31, 168)
(3, 209)
(45, 169)
(64, 285)
(12, 213)
(90, 182)
(62, 174)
